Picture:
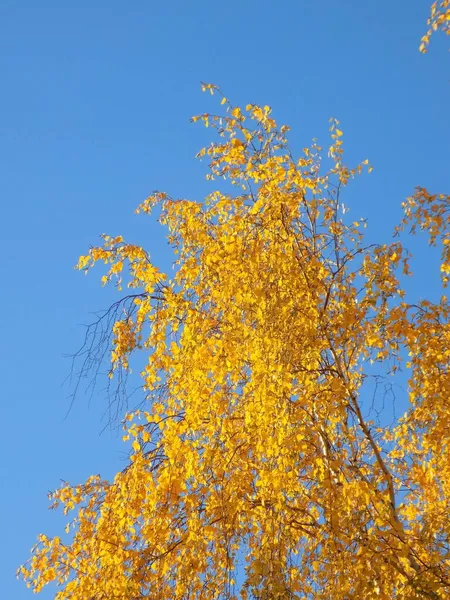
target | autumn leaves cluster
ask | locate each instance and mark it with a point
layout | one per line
(256, 470)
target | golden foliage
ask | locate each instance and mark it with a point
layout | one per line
(254, 469)
(439, 19)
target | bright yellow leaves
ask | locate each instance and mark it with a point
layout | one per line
(439, 19)
(115, 252)
(431, 213)
(254, 440)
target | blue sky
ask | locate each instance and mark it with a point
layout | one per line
(94, 115)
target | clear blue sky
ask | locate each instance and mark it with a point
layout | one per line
(94, 111)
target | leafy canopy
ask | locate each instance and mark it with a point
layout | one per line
(255, 469)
